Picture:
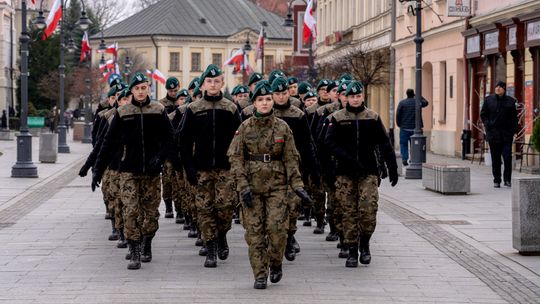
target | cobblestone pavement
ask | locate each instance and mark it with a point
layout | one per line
(428, 248)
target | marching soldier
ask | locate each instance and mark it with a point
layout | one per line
(352, 137)
(207, 130)
(310, 98)
(192, 85)
(264, 161)
(241, 97)
(303, 89)
(253, 80)
(172, 85)
(293, 86)
(142, 132)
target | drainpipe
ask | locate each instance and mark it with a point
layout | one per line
(392, 71)
(157, 60)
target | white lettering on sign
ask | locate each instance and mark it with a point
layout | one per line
(473, 44)
(533, 31)
(491, 40)
(512, 35)
(458, 8)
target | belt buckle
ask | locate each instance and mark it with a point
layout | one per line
(267, 158)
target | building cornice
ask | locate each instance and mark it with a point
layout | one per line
(454, 25)
(505, 13)
(383, 37)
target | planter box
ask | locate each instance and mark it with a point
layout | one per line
(6, 135)
(446, 179)
(526, 215)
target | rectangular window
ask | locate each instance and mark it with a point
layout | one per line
(195, 62)
(268, 63)
(217, 59)
(174, 61)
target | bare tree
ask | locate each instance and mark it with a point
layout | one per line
(146, 3)
(108, 12)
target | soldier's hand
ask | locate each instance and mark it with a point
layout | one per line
(191, 176)
(306, 200)
(393, 177)
(84, 170)
(96, 180)
(247, 198)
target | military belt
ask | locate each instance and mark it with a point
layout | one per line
(265, 158)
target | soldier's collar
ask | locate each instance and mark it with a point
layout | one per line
(213, 98)
(139, 104)
(283, 106)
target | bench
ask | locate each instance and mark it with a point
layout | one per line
(446, 178)
(36, 122)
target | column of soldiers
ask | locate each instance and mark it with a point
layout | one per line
(249, 158)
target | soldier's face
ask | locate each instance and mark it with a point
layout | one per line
(242, 97)
(252, 86)
(112, 99)
(293, 89)
(355, 100)
(124, 101)
(342, 99)
(280, 98)
(214, 85)
(323, 94)
(333, 94)
(172, 92)
(264, 104)
(310, 101)
(140, 91)
(181, 100)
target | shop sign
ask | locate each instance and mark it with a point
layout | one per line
(458, 8)
(491, 40)
(473, 44)
(533, 31)
(512, 35)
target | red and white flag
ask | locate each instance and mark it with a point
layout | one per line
(247, 67)
(53, 18)
(158, 76)
(112, 49)
(85, 47)
(310, 24)
(149, 73)
(237, 59)
(260, 45)
(32, 4)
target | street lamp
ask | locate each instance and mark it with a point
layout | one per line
(24, 167)
(127, 68)
(246, 48)
(418, 140)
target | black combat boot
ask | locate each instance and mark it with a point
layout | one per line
(122, 243)
(365, 255)
(211, 261)
(290, 254)
(203, 251)
(135, 254)
(199, 241)
(276, 273)
(332, 235)
(168, 208)
(146, 256)
(193, 229)
(179, 217)
(114, 232)
(301, 215)
(307, 219)
(295, 245)
(343, 251)
(222, 246)
(352, 260)
(320, 225)
(236, 215)
(187, 222)
(260, 283)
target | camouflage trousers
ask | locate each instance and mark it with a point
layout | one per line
(295, 203)
(190, 205)
(334, 211)
(180, 193)
(167, 181)
(115, 203)
(215, 197)
(266, 225)
(140, 195)
(359, 198)
(106, 191)
(318, 194)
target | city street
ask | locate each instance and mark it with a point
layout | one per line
(428, 248)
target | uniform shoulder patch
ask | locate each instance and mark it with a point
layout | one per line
(247, 111)
(341, 115)
(153, 108)
(127, 110)
(311, 109)
(369, 114)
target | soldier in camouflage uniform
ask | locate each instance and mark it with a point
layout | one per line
(352, 137)
(265, 163)
(293, 86)
(253, 80)
(207, 130)
(303, 88)
(241, 97)
(142, 132)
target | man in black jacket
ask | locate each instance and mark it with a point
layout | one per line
(406, 121)
(499, 116)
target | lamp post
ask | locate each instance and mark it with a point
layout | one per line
(264, 24)
(418, 140)
(24, 167)
(247, 48)
(87, 137)
(127, 68)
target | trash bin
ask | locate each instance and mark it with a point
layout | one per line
(48, 147)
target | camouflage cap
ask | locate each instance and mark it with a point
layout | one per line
(172, 83)
(323, 83)
(256, 77)
(194, 83)
(279, 85)
(292, 80)
(354, 88)
(182, 92)
(138, 79)
(304, 87)
(261, 89)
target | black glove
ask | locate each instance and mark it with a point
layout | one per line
(247, 198)
(191, 176)
(84, 170)
(393, 176)
(306, 200)
(155, 164)
(96, 180)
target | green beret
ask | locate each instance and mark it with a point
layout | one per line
(182, 92)
(172, 83)
(212, 71)
(354, 88)
(138, 79)
(112, 92)
(310, 94)
(343, 86)
(279, 85)
(124, 93)
(275, 74)
(344, 77)
(194, 83)
(292, 80)
(323, 83)
(241, 89)
(188, 99)
(261, 89)
(233, 92)
(255, 78)
(115, 81)
(304, 87)
(333, 84)
(197, 91)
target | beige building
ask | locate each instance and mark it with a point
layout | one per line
(180, 38)
(360, 28)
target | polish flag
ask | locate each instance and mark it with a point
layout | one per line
(32, 4)
(85, 47)
(247, 67)
(106, 75)
(112, 49)
(158, 76)
(149, 73)
(260, 45)
(53, 18)
(310, 28)
(237, 59)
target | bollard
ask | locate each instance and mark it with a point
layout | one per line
(526, 215)
(48, 147)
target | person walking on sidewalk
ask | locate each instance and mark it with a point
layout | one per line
(143, 132)
(353, 135)
(499, 116)
(406, 121)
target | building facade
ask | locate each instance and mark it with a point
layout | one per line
(194, 34)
